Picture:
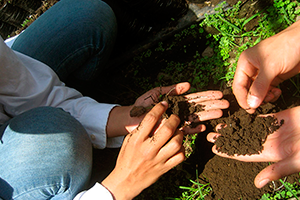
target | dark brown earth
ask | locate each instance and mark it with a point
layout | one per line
(229, 179)
(245, 134)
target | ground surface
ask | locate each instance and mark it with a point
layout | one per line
(229, 179)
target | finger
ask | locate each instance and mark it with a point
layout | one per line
(204, 96)
(215, 104)
(175, 160)
(212, 137)
(188, 130)
(220, 126)
(150, 120)
(277, 170)
(206, 115)
(269, 97)
(276, 92)
(243, 79)
(177, 89)
(173, 146)
(259, 89)
(244, 158)
(165, 131)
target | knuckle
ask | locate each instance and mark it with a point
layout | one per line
(151, 117)
(175, 118)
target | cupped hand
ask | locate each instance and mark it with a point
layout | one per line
(261, 68)
(281, 147)
(149, 151)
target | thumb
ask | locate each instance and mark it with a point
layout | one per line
(259, 89)
(276, 171)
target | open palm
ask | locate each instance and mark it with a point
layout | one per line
(281, 147)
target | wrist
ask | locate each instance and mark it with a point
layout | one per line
(118, 120)
(117, 188)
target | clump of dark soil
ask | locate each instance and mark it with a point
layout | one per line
(244, 134)
(178, 105)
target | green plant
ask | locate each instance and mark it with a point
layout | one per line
(196, 191)
(287, 191)
(233, 37)
(26, 21)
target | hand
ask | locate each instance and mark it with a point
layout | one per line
(149, 151)
(211, 100)
(261, 68)
(282, 147)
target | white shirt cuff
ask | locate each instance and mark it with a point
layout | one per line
(97, 192)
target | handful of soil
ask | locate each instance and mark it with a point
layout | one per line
(244, 134)
(178, 105)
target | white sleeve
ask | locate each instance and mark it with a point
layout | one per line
(97, 192)
(26, 83)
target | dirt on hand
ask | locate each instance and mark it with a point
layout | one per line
(178, 105)
(245, 134)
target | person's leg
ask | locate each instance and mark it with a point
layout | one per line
(45, 153)
(73, 37)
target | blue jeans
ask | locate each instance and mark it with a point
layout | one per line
(74, 37)
(45, 153)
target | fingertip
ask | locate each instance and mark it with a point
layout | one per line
(212, 137)
(253, 101)
(214, 150)
(250, 110)
(200, 128)
(276, 92)
(261, 183)
(182, 87)
(164, 103)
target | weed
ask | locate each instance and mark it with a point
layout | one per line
(288, 191)
(233, 37)
(196, 191)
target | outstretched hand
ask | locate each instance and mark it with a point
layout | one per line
(149, 151)
(210, 100)
(261, 68)
(281, 147)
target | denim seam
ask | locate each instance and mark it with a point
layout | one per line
(45, 186)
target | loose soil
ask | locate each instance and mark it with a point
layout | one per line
(245, 134)
(177, 105)
(229, 179)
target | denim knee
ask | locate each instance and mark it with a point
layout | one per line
(45, 153)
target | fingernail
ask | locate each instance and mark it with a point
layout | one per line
(263, 182)
(164, 103)
(253, 101)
